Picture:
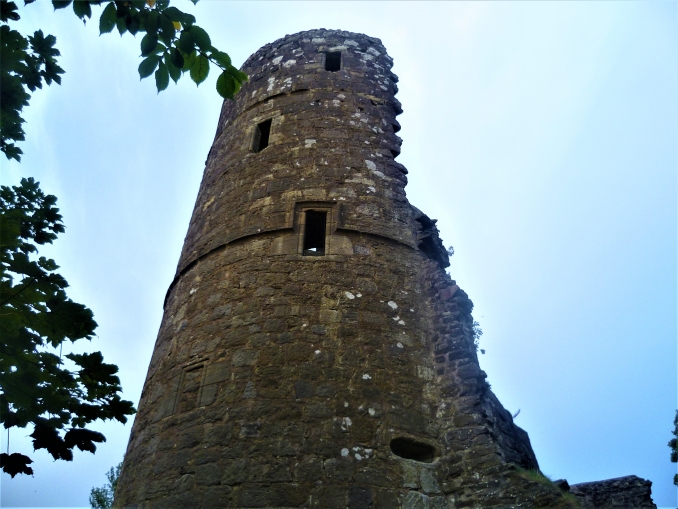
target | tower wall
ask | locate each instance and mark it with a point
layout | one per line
(289, 377)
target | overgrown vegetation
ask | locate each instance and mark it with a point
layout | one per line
(536, 476)
(477, 332)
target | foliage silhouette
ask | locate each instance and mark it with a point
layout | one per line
(58, 396)
(39, 387)
(172, 45)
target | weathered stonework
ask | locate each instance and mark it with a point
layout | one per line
(293, 376)
(619, 493)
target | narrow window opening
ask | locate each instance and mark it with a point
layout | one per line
(314, 233)
(261, 135)
(333, 61)
(413, 450)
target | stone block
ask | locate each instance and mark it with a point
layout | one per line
(360, 497)
(415, 500)
(244, 358)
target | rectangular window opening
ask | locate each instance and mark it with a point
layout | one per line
(314, 233)
(261, 135)
(333, 61)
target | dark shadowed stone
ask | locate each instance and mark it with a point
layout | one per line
(250, 429)
(319, 329)
(286, 495)
(303, 389)
(253, 496)
(562, 484)
(360, 498)
(339, 470)
(622, 492)
(234, 472)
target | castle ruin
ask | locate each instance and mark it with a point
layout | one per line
(313, 350)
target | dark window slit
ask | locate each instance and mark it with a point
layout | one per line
(413, 450)
(333, 61)
(261, 135)
(314, 233)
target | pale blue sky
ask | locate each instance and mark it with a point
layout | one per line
(541, 135)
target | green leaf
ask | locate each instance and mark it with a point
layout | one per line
(15, 463)
(188, 20)
(200, 37)
(174, 14)
(226, 85)
(167, 30)
(8, 11)
(148, 44)
(108, 19)
(174, 71)
(60, 4)
(82, 9)
(200, 69)
(159, 48)
(122, 26)
(189, 59)
(161, 77)
(151, 22)
(238, 75)
(186, 42)
(148, 65)
(12, 151)
(222, 58)
(133, 22)
(177, 58)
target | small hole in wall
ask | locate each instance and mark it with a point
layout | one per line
(413, 450)
(333, 61)
(261, 135)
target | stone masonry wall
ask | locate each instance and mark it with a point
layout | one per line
(619, 493)
(348, 378)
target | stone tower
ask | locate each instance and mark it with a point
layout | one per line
(313, 351)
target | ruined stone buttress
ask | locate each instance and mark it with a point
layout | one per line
(313, 350)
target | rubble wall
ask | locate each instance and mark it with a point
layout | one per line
(618, 493)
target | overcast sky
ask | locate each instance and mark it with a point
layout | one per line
(541, 135)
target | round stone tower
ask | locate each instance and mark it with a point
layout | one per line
(313, 351)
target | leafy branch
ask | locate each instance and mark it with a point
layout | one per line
(35, 387)
(172, 45)
(26, 63)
